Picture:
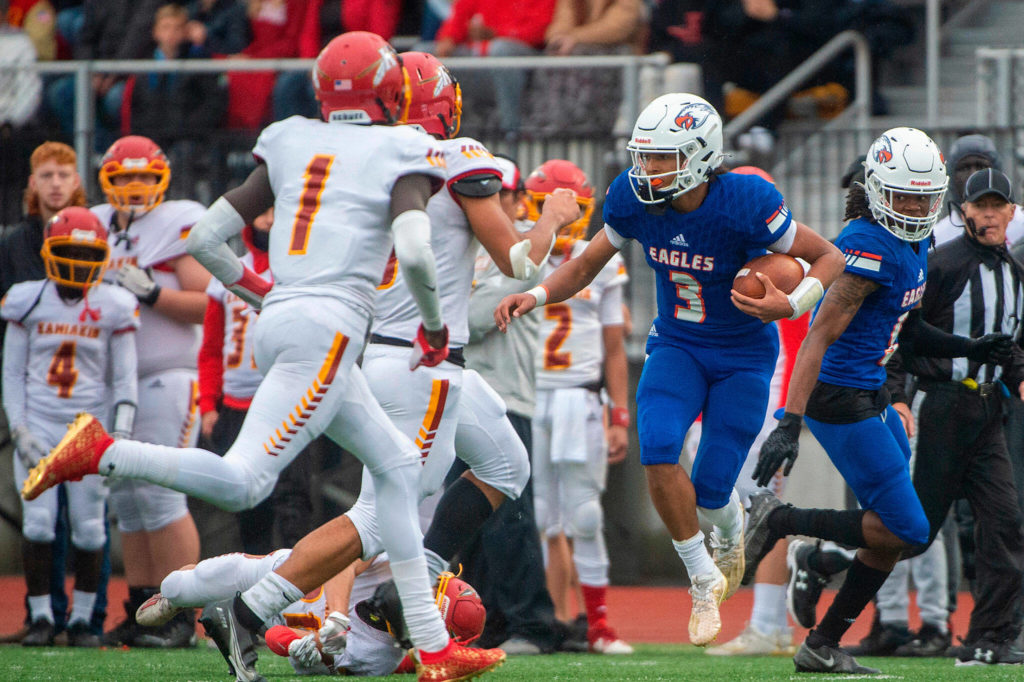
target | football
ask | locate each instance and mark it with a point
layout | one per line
(783, 270)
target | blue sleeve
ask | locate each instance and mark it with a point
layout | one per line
(620, 206)
(763, 206)
(868, 256)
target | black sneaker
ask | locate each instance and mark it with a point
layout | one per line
(929, 642)
(123, 633)
(177, 633)
(882, 640)
(759, 538)
(576, 641)
(80, 634)
(236, 644)
(990, 652)
(40, 633)
(828, 659)
(805, 584)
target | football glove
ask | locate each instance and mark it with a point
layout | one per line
(781, 447)
(334, 633)
(30, 450)
(991, 348)
(426, 355)
(306, 657)
(138, 281)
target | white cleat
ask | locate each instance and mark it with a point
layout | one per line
(156, 611)
(707, 591)
(753, 642)
(610, 647)
(728, 555)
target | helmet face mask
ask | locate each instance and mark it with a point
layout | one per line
(75, 250)
(550, 176)
(358, 78)
(128, 158)
(434, 104)
(676, 125)
(902, 165)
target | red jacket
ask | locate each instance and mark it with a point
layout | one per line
(523, 20)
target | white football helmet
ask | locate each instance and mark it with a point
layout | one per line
(905, 161)
(681, 124)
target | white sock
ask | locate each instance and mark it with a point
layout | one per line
(192, 471)
(695, 556)
(270, 595)
(40, 607)
(769, 614)
(81, 606)
(218, 577)
(422, 619)
(728, 519)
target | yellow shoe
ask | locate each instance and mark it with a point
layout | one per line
(728, 555)
(76, 455)
(707, 591)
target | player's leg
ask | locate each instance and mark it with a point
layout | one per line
(38, 520)
(546, 506)
(87, 511)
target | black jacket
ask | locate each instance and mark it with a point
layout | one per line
(963, 296)
(20, 260)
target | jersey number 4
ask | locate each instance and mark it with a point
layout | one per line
(691, 306)
(62, 372)
(309, 202)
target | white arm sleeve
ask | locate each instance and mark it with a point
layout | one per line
(124, 389)
(15, 364)
(207, 241)
(616, 239)
(416, 261)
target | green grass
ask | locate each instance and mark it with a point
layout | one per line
(651, 662)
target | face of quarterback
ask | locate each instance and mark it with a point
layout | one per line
(55, 183)
(991, 214)
(911, 204)
(655, 163)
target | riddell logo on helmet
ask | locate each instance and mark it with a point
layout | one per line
(920, 183)
(642, 140)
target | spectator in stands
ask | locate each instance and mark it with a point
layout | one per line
(111, 29)
(595, 27)
(496, 29)
(276, 27)
(38, 20)
(219, 26)
(676, 28)
(293, 90)
(228, 379)
(435, 12)
(182, 109)
(70, 17)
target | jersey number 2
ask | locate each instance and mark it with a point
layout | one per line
(692, 304)
(553, 358)
(309, 202)
(62, 372)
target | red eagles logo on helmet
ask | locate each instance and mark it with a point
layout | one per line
(693, 116)
(883, 153)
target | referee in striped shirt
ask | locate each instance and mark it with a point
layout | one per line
(975, 289)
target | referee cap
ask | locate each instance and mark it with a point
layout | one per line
(988, 181)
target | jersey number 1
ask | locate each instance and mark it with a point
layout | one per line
(62, 372)
(309, 202)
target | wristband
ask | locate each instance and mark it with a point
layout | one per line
(620, 417)
(539, 292)
(804, 297)
(150, 298)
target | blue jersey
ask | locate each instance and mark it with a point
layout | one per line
(857, 358)
(696, 255)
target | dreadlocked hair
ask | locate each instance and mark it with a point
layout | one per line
(857, 205)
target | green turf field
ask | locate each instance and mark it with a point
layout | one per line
(651, 662)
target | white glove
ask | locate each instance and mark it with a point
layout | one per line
(30, 450)
(305, 656)
(139, 282)
(334, 633)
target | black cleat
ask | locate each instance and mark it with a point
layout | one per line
(123, 634)
(990, 652)
(40, 633)
(828, 659)
(237, 644)
(805, 584)
(80, 634)
(882, 640)
(929, 642)
(759, 538)
(177, 633)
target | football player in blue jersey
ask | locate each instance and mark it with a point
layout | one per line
(838, 386)
(710, 349)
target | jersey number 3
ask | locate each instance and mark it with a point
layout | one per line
(62, 372)
(309, 202)
(691, 307)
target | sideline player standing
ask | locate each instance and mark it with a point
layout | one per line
(69, 347)
(838, 383)
(705, 352)
(581, 342)
(336, 186)
(147, 257)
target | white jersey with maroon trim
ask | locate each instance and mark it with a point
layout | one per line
(69, 358)
(151, 242)
(241, 378)
(455, 250)
(571, 349)
(332, 186)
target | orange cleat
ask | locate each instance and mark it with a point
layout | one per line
(76, 455)
(460, 663)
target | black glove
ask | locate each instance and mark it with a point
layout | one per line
(383, 611)
(991, 348)
(781, 446)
